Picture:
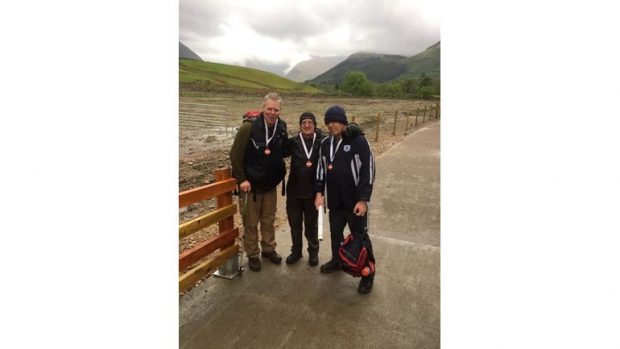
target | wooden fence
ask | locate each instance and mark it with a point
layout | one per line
(410, 120)
(222, 190)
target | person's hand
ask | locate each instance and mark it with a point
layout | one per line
(360, 208)
(318, 201)
(245, 186)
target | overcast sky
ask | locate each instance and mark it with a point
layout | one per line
(287, 32)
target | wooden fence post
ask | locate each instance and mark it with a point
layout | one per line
(224, 199)
(424, 115)
(417, 112)
(437, 111)
(394, 129)
(378, 123)
(407, 123)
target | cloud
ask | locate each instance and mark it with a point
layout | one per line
(283, 33)
(196, 20)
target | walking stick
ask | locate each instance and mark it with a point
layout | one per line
(244, 212)
(320, 223)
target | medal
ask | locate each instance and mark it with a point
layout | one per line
(330, 167)
(308, 153)
(267, 138)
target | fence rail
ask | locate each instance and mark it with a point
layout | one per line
(223, 215)
(410, 119)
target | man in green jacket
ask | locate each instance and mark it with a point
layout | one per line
(257, 164)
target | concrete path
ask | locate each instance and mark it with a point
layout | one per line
(298, 307)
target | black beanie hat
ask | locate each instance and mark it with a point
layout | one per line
(337, 114)
(307, 115)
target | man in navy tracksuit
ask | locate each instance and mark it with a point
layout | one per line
(347, 168)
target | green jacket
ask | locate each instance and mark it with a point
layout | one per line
(237, 151)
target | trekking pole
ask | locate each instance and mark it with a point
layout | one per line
(244, 213)
(320, 223)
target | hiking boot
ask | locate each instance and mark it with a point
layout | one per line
(314, 259)
(366, 284)
(293, 258)
(254, 263)
(273, 256)
(330, 266)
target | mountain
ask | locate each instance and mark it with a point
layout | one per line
(194, 74)
(382, 67)
(313, 67)
(276, 68)
(377, 67)
(427, 62)
(185, 52)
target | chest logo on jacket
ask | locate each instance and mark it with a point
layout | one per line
(346, 148)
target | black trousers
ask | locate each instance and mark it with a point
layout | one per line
(357, 225)
(301, 212)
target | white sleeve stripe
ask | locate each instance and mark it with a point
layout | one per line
(354, 172)
(357, 168)
(358, 163)
(372, 164)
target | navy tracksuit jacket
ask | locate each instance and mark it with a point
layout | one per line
(349, 180)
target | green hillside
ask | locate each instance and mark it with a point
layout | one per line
(381, 68)
(215, 76)
(427, 62)
(377, 67)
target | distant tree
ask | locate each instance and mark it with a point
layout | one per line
(381, 90)
(367, 89)
(425, 80)
(389, 89)
(437, 87)
(425, 92)
(394, 90)
(408, 86)
(356, 83)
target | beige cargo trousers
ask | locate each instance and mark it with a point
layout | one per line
(263, 211)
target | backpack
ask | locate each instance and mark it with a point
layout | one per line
(354, 257)
(251, 115)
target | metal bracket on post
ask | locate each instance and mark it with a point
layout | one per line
(232, 268)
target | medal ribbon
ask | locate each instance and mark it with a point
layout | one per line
(303, 143)
(332, 153)
(267, 138)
